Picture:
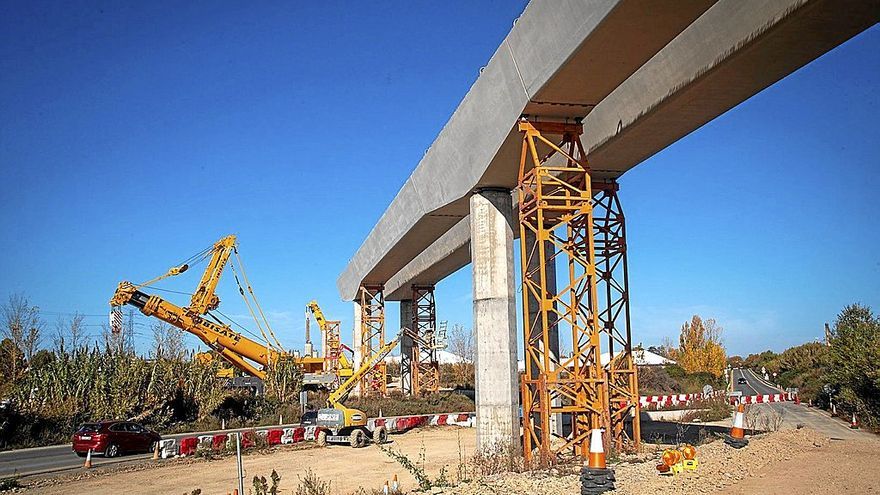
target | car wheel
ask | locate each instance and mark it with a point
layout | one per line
(321, 439)
(112, 450)
(356, 439)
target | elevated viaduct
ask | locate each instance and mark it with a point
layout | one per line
(623, 80)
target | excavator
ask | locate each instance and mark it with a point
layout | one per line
(245, 354)
(340, 424)
(332, 348)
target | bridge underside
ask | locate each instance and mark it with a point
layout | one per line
(605, 85)
(729, 54)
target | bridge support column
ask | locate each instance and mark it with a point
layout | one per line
(406, 345)
(555, 208)
(372, 318)
(492, 222)
(613, 283)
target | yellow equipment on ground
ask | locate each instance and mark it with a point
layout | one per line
(340, 424)
(237, 349)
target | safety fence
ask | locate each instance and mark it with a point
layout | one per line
(291, 435)
(765, 399)
(649, 402)
(653, 402)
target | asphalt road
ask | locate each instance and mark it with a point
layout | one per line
(41, 460)
(794, 414)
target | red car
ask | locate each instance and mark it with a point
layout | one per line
(112, 438)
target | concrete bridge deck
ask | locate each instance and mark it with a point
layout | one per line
(688, 73)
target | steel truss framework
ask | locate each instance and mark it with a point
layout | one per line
(424, 365)
(372, 301)
(333, 345)
(609, 230)
(556, 226)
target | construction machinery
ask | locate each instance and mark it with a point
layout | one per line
(209, 357)
(340, 424)
(332, 348)
(245, 354)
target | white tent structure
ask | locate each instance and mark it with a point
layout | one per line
(642, 358)
(444, 357)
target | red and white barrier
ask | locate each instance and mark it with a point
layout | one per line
(764, 399)
(286, 436)
(167, 448)
(188, 446)
(658, 401)
(647, 401)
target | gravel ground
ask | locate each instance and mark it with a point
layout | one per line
(720, 467)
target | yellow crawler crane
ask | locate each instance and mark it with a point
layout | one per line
(247, 355)
(332, 347)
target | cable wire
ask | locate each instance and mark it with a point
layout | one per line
(254, 296)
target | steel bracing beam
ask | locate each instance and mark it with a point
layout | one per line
(555, 209)
(609, 231)
(332, 345)
(425, 367)
(372, 305)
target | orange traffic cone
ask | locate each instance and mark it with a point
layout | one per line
(156, 452)
(737, 439)
(88, 463)
(737, 431)
(597, 450)
(854, 424)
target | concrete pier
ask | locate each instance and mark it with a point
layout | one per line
(497, 387)
(406, 344)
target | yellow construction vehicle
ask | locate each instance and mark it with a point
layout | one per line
(243, 353)
(340, 424)
(332, 348)
(208, 357)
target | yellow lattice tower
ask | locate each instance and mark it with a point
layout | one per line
(425, 367)
(372, 303)
(614, 317)
(556, 227)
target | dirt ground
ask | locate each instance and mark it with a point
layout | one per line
(348, 469)
(843, 466)
(785, 462)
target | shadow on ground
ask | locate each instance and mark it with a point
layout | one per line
(670, 432)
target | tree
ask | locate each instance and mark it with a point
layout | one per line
(736, 361)
(854, 361)
(22, 324)
(461, 343)
(700, 348)
(802, 367)
(167, 341)
(70, 332)
(11, 365)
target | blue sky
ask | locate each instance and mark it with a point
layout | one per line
(134, 136)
